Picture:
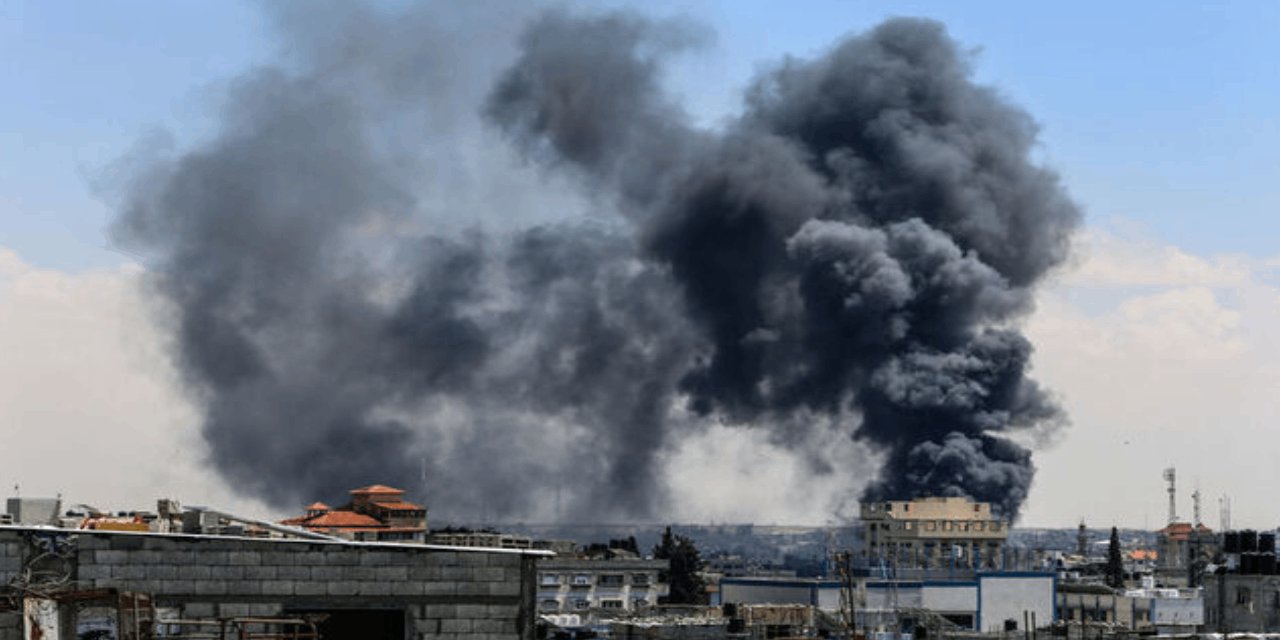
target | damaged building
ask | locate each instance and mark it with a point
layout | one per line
(61, 583)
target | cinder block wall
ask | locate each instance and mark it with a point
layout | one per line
(445, 593)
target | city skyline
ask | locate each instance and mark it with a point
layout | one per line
(1159, 337)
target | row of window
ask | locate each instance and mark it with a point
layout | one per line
(944, 525)
(551, 604)
(604, 580)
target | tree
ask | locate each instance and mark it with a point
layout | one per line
(1114, 575)
(686, 585)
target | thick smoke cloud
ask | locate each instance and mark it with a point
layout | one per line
(367, 284)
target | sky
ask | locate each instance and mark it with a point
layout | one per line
(1161, 338)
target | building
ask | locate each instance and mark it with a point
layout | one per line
(354, 590)
(1243, 595)
(582, 585)
(1183, 551)
(34, 511)
(937, 532)
(984, 601)
(1146, 610)
(376, 513)
(472, 538)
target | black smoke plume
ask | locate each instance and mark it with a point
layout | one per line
(482, 248)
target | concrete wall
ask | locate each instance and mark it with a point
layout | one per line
(446, 593)
(960, 597)
(822, 594)
(1005, 596)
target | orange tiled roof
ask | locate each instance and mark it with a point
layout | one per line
(377, 488)
(1182, 530)
(318, 506)
(398, 505)
(1143, 554)
(341, 519)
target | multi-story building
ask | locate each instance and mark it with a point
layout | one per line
(580, 585)
(376, 513)
(933, 533)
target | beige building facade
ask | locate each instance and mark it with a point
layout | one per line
(936, 532)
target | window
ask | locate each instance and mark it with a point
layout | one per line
(582, 580)
(931, 526)
(549, 604)
(978, 526)
(639, 603)
(550, 578)
(581, 604)
(610, 580)
(640, 579)
(1243, 596)
(610, 604)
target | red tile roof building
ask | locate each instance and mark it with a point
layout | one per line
(376, 513)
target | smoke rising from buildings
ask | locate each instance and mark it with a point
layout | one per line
(489, 252)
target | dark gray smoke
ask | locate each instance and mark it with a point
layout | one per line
(365, 285)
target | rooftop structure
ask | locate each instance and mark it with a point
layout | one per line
(376, 513)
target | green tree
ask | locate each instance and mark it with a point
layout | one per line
(686, 585)
(1114, 574)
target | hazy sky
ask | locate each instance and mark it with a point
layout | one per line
(1162, 339)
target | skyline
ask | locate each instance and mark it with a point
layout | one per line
(1156, 299)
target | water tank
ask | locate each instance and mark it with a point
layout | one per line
(1267, 542)
(1248, 541)
(1231, 542)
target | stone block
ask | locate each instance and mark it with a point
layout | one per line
(424, 573)
(473, 588)
(376, 558)
(472, 559)
(277, 587)
(110, 556)
(472, 611)
(392, 573)
(455, 625)
(162, 572)
(322, 572)
(310, 588)
(293, 573)
(84, 572)
(442, 558)
(177, 557)
(198, 610)
(244, 558)
(341, 557)
(194, 572)
(177, 587)
(440, 588)
(455, 573)
(358, 573)
(260, 573)
(226, 572)
(507, 588)
(210, 558)
(490, 574)
(440, 611)
(342, 588)
(407, 588)
(279, 558)
(211, 587)
(128, 571)
(490, 625)
(375, 588)
(146, 557)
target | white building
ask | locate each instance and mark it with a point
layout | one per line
(577, 585)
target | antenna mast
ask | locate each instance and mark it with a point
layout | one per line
(1195, 501)
(1171, 476)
